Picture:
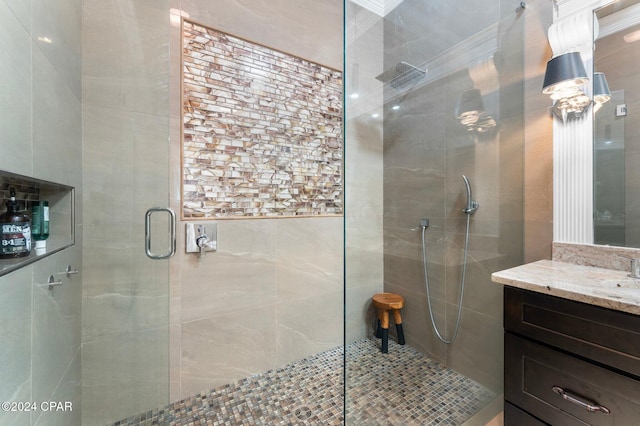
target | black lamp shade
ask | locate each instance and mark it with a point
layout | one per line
(469, 101)
(601, 92)
(564, 68)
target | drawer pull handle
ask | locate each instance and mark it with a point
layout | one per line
(587, 405)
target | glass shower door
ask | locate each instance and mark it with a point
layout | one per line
(434, 92)
(125, 339)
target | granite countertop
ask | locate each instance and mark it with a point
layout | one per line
(596, 286)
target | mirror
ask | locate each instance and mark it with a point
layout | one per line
(616, 130)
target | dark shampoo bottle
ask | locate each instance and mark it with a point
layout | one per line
(15, 230)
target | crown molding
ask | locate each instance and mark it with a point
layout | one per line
(379, 7)
(620, 21)
(566, 8)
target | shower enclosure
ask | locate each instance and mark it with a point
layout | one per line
(166, 330)
(409, 139)
(433, 90)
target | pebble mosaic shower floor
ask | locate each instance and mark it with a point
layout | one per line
(403, 387)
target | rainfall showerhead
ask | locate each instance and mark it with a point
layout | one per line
(401, 75)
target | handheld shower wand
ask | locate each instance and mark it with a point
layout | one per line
(472, 205)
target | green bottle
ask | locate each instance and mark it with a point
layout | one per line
(40, 224)
(15, 230)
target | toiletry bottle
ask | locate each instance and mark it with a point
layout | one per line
(40, 224)
(15, 230)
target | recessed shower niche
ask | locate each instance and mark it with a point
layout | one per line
(61, 199)
(262, 130)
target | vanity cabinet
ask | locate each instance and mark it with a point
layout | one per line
(569, 363)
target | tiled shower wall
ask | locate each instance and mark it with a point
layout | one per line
(363, 168)
(41, 137)
(125, 326)
(262, 130)
(273, 292)
(510, 174)
(426, 152)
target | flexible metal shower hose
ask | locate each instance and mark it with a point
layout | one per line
(462, 281)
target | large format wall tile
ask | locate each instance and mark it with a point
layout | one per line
(57, 32)
(22, 11)
(125, 94)
(124, 290)
(175, 358)
(227, 283)
(240, 275)
(227, 302)
(477, 351)
(42, 138)
(68, 392)
(359, 315)
(56, 322)
(124, 375)
(364, 171)
(221, 349)
(309, 326)
(427, 150)
(41, 126)
(57, 122)
(305, 28)
(309, 258)
(126, 55)
(16, 109)
(15, 351)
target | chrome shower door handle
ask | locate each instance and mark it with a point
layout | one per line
(172, 231)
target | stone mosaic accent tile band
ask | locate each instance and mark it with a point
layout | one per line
(262, 130)
(403, 387)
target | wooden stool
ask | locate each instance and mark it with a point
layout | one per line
(384, 302)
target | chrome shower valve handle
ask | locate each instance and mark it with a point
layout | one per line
(201, 238)
(201, 242)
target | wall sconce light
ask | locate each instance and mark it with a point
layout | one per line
(470, 111)
(601, 92)
(563, 81)
(469, 107)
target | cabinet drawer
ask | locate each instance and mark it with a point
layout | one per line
(513, 416)
(603, 335)
(532, 371)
